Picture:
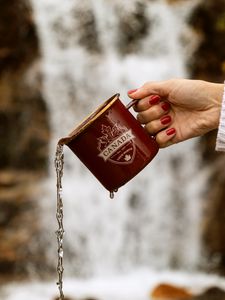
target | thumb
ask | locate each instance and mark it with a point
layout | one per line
(160, 88)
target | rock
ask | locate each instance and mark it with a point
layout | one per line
(83, 25)
(133, 26)
(23, 120)
(18, 43)
(65, 298)
(208, 19)
(88, 33)
(23, 112)
(213, 293)
(168, 291)
(172, 292)
(19, 223)
(175, 1)
(24, 135)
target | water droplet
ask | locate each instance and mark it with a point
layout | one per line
(61, 253)
(111, 194)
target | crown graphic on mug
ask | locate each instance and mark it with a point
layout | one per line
(112, 144)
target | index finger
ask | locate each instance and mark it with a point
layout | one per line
(150, 88)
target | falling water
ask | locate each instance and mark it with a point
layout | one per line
(59, 162)
(91, 50)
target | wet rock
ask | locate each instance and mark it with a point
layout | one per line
(65, 298)
(82, 29)
(24, 135)
(168, 291)
(213, 293)
(133, 26)
(214, 216)
(23, 122)
(208, 20)
(88, 35)
(24, 128)
(18, 43)
(19, 223)
(175, 1)
(172, 292)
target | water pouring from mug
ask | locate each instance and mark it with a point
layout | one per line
(59, 162)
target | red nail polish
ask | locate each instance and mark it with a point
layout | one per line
(165, 120)
(154, 99)
(170, 131)
(131, 91)
(165, 106)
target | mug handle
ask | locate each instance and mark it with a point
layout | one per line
(131, 103)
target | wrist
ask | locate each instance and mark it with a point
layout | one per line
(220, 140)
(219, 90)
(216, 96)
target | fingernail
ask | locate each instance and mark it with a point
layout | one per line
(170, 131)
(154, 99)
(165, 106)
(165, 120)
(131, 91)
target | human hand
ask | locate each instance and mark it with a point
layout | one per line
(178, 109)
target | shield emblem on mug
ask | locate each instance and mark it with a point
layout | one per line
(116, 144)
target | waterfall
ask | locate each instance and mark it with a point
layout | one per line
(91, 50)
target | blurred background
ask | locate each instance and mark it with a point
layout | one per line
(58, 61)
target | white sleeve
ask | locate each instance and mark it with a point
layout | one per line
(220, 140)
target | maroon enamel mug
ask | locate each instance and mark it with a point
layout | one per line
(112, 144)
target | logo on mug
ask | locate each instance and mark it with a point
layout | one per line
(116, 144)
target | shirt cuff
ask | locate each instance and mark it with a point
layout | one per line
(220, 140)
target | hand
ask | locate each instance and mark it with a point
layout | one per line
(178, 109)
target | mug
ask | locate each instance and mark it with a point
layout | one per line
(112, 144)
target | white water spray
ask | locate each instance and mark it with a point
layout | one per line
(154, 220)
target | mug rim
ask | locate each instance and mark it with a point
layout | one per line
(87, 121)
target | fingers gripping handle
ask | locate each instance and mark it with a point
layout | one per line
(132, 103)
